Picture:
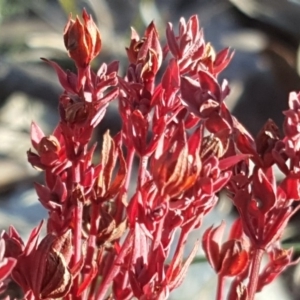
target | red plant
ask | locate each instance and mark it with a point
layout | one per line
(103, 244)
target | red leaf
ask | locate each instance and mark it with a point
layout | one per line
(263, 190)
(36, 135)
(151, 43)
(228, 162)
(138, 129)
(222, 60)
(291, 187)
(215, 123)
(193, 26)
(234, 258)
(209, 83)
(63, 77)
(171, 79)
(6, 266)
(211, 243)
(172, 42)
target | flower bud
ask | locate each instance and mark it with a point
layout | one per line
(82, 41)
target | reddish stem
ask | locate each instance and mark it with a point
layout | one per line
(92, 289)
(93, 232)
(77, 227)
(253, 280)
(77, 244)
(142, 170)
(220, 287)
(115, 267)
(119, 206)
(129, 163)
(92, 241)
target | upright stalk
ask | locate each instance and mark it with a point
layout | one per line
(129, 164)
(252, 286)
(142, 170)
(220, 287)
(114, 269)
(119, 206)
(78, 210)
(95, 216)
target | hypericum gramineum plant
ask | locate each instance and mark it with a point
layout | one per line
(102, 245)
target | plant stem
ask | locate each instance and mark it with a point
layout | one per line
(95, 207)
(78, 210)
(77, 232)
(142, 170)
(220, 288)
(124, 190)
(129, 163)
(252, 286)
(115, 267)
(77, 243)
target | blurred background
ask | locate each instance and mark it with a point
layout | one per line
(265, 35)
